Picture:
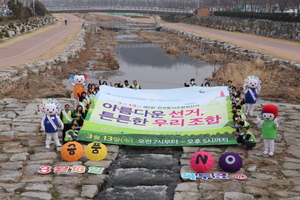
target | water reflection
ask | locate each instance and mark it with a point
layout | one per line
(150, 66)
(155, 70)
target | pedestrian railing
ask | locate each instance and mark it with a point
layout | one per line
(150, 10)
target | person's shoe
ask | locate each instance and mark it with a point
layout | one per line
(271, 154)
(265, 152)
(47, 147)
(58, 145)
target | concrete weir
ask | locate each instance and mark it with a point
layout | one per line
(141, 172)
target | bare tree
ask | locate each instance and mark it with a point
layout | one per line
(295, 4)
(282, 4)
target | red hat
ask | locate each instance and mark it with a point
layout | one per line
(270, 108)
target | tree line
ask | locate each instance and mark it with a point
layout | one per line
(21, 12)
(253, 5)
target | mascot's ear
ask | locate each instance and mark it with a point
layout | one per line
(86, 77)
(72, 76)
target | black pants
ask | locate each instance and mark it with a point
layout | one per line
(248, 143)
(66, 128)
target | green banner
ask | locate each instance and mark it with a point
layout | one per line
(193, 116)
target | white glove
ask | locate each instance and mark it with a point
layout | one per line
(276, 123)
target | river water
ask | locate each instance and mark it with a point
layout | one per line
(150, 66)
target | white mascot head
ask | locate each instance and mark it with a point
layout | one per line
(79, 79)
(50, 107)
(252, 82)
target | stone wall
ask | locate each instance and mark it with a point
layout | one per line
(11, 77)
(269, 28)
(17, 28)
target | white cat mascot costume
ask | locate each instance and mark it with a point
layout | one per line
(251, 89)
(51, 121)
(269, 127)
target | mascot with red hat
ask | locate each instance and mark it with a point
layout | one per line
(269, 127)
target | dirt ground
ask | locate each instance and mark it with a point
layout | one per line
(279, 85)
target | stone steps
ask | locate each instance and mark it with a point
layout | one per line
(143, 176)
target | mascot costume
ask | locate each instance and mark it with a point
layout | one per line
(269, 127)
(251, 89)
(51, 121)
(78, 81)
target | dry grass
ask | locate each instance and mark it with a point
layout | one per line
(279, 85)
(103, 19)
(173, 50)
(218, 58)
(239, 71)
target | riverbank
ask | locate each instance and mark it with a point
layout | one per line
(22, 149)
(48, 83)
(280, 82)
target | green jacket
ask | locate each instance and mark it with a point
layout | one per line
(252, 138)
(70, 135)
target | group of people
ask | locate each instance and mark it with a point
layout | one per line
(204, 83)
(73, 121)
(192, 83)
(73, 118)
(126, 84)
(244, 136)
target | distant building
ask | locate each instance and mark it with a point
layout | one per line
(203, 12)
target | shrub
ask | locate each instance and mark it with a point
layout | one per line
(40, 9)
(11, 17)
(255, 15)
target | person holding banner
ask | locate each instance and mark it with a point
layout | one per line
(79, 115)
(65, 116)
(126, 85)
(205, 83)
(192, 83)
(246, 139)
(71, 134)
(136, 85)
(104, 82)
(84, 101)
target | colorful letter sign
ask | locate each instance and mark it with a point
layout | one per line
(173, 117)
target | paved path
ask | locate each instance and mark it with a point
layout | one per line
(39, 44)
(280, 48)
